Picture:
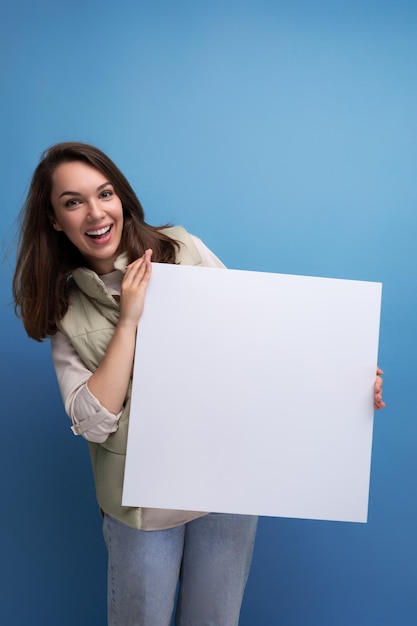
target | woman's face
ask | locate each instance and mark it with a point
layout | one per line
(88, 211)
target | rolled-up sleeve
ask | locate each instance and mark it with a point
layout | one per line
(89, 418)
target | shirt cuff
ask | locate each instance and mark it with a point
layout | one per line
(98, 423)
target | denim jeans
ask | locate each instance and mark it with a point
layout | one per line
(210, 557)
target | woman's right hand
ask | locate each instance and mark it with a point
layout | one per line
(133, 290)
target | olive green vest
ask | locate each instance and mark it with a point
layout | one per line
(89, 324)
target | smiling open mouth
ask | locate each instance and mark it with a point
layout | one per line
(101, 232)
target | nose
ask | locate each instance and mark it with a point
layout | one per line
(95, 210)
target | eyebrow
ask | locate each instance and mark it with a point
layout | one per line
(77, 193)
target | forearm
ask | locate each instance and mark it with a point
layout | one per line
(110, 382)
(89, 418)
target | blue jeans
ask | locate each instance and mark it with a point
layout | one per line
(210, 557)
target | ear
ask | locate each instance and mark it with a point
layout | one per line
(54, 223)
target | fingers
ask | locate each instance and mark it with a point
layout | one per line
(379, 404)
(139, 272)
(139, 266)
(133, 289)
(378, 401)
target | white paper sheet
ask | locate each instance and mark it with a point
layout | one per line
(253, 393)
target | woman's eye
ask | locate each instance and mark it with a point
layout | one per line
(106, 194)
(72, 203)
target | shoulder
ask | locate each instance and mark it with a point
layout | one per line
(178, 233)
(192, 251)
(188, 253)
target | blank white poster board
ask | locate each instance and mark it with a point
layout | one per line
(253, 393)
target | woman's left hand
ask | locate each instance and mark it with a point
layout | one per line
(378, 401)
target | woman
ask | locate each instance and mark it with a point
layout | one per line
(83, 267)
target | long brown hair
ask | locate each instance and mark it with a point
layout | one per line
(46, 258)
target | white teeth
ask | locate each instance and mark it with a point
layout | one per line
(100, 231)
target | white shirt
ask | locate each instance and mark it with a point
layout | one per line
(89, 418)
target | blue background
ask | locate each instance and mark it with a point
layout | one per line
(283, 133)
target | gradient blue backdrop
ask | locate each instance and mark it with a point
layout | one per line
(283, 133)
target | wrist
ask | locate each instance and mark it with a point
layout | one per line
(127, 325)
